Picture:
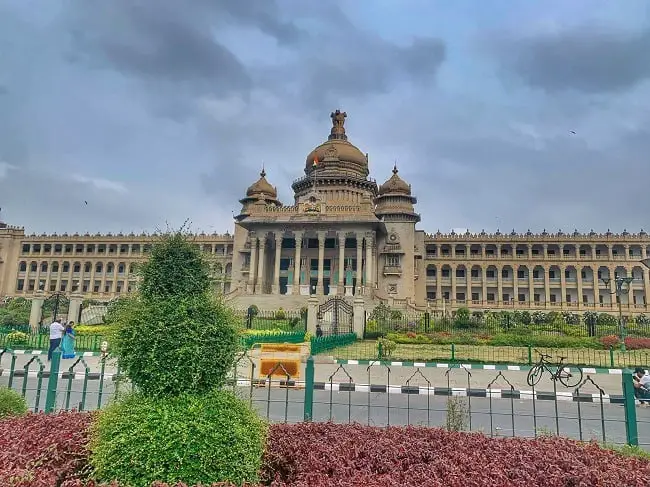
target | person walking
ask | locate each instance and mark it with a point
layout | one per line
(67, 343)
(56, 333)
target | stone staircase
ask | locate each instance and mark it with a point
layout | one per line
(273, 302)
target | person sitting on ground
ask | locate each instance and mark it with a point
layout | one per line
(642, 385)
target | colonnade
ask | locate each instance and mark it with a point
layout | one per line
(349, 280)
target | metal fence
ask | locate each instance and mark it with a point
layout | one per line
(456, 397)
(382, 320)
(280, 319)
(481, 354)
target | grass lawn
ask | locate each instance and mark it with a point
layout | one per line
(367, 350)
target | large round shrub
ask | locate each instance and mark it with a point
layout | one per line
(11, 403)
(172, 346)
(190, 438)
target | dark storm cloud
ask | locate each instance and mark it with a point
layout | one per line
(590, 59)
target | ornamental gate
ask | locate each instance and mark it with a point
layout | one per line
(55, 306)
(336, 317)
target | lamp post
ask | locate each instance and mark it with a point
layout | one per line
(621, 284)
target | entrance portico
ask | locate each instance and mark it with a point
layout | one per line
(315, 261)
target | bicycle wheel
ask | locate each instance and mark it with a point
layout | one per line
(534, 375)
(568, 378)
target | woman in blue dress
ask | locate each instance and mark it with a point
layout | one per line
(67, 344)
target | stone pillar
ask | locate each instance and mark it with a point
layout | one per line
(531, 284)
(359, 316)
(37, 310)
(341, 283)
(594, 275)
(646, 286)
(297, 268)
(452, 295)
(359, 263)
(499, 300)
(579, 281)
(562, 285)
(321, 263)
(276, 270)
(312, 315)
(252, 267)
(484, 283)
(547, 285)
(76, 298)
(259, 289)
(369, 274)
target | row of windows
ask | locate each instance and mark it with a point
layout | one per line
(76, 267)
(64, 285)
(536, 249)
(111, 249)
(537, 274)
(537, 298)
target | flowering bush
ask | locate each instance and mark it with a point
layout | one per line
(17, 338)
(632, 343)
(610, 341)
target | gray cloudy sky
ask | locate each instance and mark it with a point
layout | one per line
(155, 111)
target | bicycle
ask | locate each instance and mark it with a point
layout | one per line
(562, 372)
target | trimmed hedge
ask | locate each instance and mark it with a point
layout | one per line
(190, 438)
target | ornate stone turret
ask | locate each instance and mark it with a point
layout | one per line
(260, 192)
(395, 201)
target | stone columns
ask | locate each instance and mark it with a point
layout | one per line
(359, 263)
(252, 266)
(369, 273)
(76, 298)
(594, 275)
(260, 268)
(499, 300)
(452, 295)
(579, 281)
(276, 270)
(297, 267)
(321, 262)
(341, 283)
(531, 284)
(37, 310)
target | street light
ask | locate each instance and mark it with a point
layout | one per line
(622, 284)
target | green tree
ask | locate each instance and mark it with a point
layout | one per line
(175, 336)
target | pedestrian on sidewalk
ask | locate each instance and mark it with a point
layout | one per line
(56, 333)
(319, 331)
(67, 344)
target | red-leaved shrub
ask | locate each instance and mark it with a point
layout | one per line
(320, 455)
(411, 334)
(42, 451)
(610, 341)
(632, 343)
(39, 450)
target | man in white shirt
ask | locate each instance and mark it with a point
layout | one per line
(56, 333)
(642, 385)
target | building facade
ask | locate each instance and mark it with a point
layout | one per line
(345, 235)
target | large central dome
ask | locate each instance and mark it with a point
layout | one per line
(337, 155)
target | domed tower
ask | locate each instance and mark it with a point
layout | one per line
(394, 201)
(394, 206)
(337, 169)
(260, 192)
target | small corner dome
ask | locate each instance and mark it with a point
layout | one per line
(262, 186)
(395, 184)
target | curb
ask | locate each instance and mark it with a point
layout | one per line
(44, 352)
(457, 365)
(490, 393)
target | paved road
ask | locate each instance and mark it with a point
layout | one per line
(379, 374)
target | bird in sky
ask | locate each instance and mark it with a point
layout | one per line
(572, 132)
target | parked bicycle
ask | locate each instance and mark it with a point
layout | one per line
(562, 371)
